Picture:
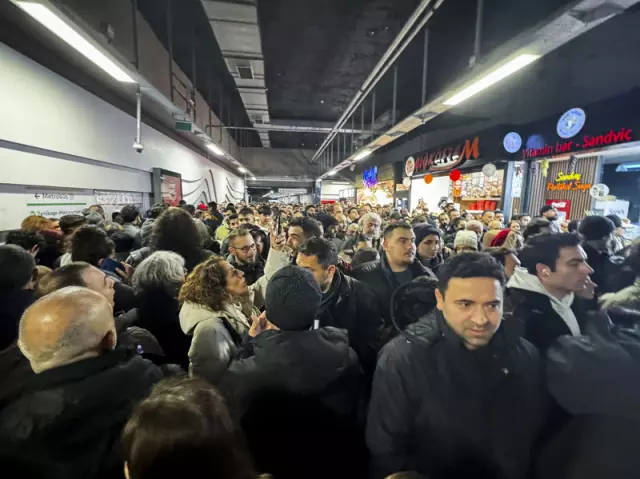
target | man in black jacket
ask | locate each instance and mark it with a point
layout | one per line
(597, 233)
(346, 302)
(542, 293)
(70, 414)
(245, 255)
(397, 266)
(459, 394)
(298, 390)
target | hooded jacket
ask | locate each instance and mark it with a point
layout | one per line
(446, 412)
(298, 395)
(543, 317)
(378, 276)
(217, 335)
(628, 298)
(70, 418)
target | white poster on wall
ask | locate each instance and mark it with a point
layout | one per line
(112, 201)
(17, 202)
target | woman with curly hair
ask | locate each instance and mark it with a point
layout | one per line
(217, 309)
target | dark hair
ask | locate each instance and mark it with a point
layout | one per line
(129, 213)
(535, 227)
(617, 222)
(26, 239)
(190, 209)
(573, 225)
(175, 230)
(212, 205)
(469, 265)
(246, 211)
(351, 209)
(311, 228)
(388, 231)
(115, 215)
(322, 249)
(546, 208)
(16, 267)
(265, 211)
(68, 223)
(68, 275)
(498, 211)
(184, 429)
(123, 242)
(230, 208)
(181, 203)
(633, 258)
(90, 244)
(257, 232)
(596, 227)
(545, 249)
(365, 255)
(500, 253)
(157, 210)
(396, 216)
(233, 217)
(311, 206)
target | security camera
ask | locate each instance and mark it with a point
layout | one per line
(138, 147)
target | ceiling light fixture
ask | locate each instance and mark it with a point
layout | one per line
(490, 79)
(242, 170)
(216, 149)
(361, 155)
(331, 173)
(66, 32)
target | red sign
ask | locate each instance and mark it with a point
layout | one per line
(444, 159)
(588, 142)
(171, 190)
(563, 207)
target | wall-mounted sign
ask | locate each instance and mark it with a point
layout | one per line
(512, 142)
(443, 159)
(568, 182)
(588, 142)
(563, 207)
(410, 167)
(370, 177)
(571, 122)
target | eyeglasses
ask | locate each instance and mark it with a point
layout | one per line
(246, 249)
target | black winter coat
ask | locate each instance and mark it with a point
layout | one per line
(298, 396)
(447, 413)
(378, 276)
(70, 418)
(252, 272)
(539, 323)
(350, 304)
(12, 305)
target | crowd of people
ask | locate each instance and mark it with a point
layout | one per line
(328, 341)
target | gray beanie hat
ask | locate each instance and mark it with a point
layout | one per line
(466, 239)
(293, 299)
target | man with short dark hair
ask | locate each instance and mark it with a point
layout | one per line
(311, 211)
(353, 215)
(130, 216)
(245, 255)
(346, 302)
(536, 226)
(550, 213)
(524, 220)
(300, 231)
(487, 217)
(233, 222)
(247, 218)
(264, 220)
(458, 394)
(542, 292)
(597, 234)
(27, 240)
(397, 266)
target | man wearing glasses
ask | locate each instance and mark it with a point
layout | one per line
(245, 255)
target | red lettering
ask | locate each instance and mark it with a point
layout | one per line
(471, 149)
(627, 135)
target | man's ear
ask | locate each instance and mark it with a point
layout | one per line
(440, 300)
(542, 271)
(332, 271)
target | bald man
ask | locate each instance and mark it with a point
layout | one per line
(75, 406)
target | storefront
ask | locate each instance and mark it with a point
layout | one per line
(376, 186)
(458, 173)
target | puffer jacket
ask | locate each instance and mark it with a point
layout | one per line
(216, 335)
(628, 298)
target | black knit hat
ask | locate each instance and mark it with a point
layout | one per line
(424, 230)
(293, 299)
(596, 227)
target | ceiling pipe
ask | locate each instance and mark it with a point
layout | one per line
(380, 65)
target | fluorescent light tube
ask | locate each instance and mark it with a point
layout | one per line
(361, 155)
(242, 170)
(58, 26)
(216, 149)
(492, 78)
(331, 173)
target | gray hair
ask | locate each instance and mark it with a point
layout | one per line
(370, 216)
(161, 270)
(84, 316)
(472, 223)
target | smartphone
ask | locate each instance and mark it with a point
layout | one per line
(111, 265)
(279, 225)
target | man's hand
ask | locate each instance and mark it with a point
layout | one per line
(126, 274)
(278, 241)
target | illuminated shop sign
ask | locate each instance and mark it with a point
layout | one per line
(568, 182)
(443, 159)
(370, 177)
(588, 142)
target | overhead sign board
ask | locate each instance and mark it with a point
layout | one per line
(443, 159)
